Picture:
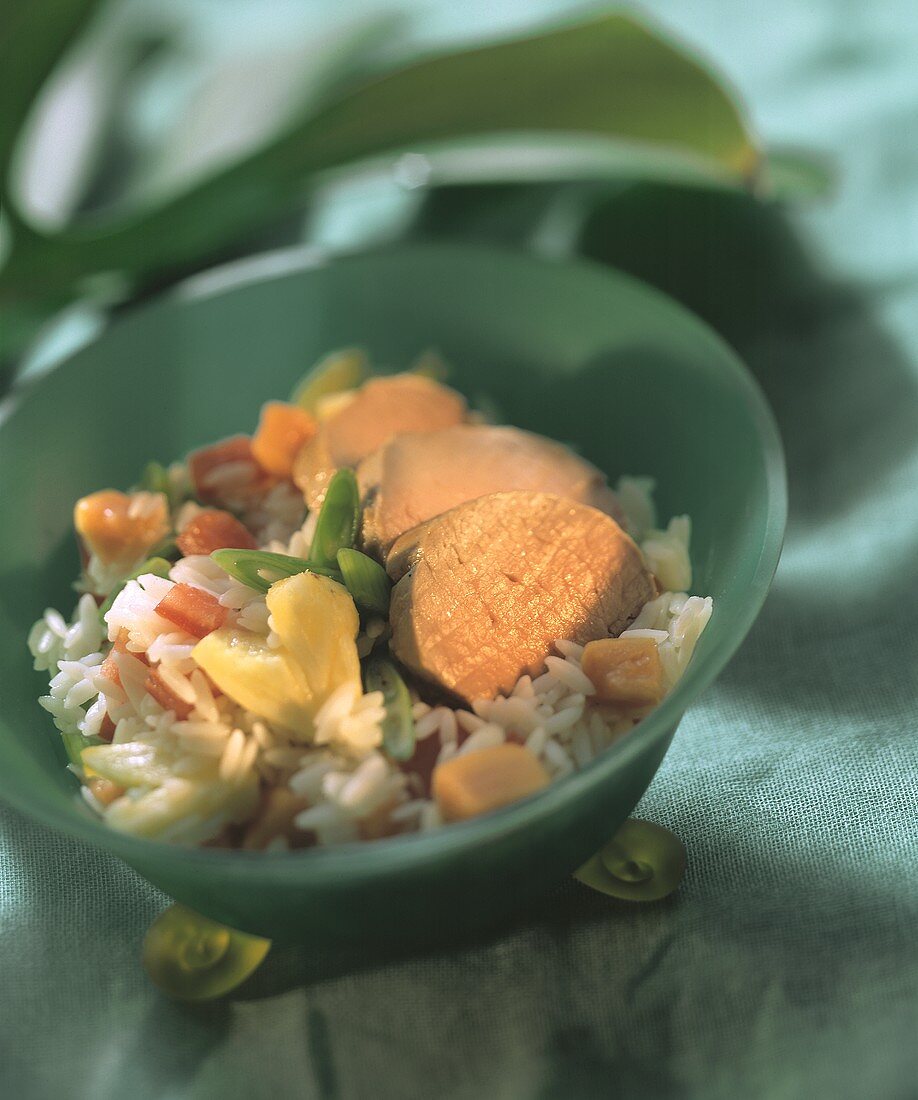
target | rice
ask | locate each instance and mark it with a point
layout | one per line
(189, 777)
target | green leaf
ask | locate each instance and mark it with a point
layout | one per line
(795, 174)
(609, 78)
(34, 34)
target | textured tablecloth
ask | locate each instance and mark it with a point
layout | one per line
(787, 966)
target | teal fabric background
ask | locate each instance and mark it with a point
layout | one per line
(787, 966)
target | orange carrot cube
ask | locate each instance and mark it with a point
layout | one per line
(282, 431)
(192, 609)
(212, 530)
(156, 686)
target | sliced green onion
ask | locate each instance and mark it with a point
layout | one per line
(366, 580)
(74, 743)
(337, 525)
(155, 479)
(379, 674)
(642, 862)
(338, 371)
(246, 566)
(193, 958)
(159, 567)
(431, 364)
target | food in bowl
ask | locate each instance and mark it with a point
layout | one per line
(377, 615)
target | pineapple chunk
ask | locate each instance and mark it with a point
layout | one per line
(476, 782)
(131, 764)
(317, 624)
(626, 671)
(185, 810)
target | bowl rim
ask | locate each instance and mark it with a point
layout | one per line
(327, 864)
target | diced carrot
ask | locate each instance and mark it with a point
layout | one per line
(203, 463)
(104, 790)
(115, 531)
(165, 696)
(106, 729)
(212, 530)
(109, 669)
(625, 671)
(192, 609)
(282, 431)
(476, 782)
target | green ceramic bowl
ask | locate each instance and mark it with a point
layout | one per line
(579, 353)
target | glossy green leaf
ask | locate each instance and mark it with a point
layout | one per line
(337, 525)
(193, 958)
(795, 174)
(246, 566)
(380, 674)
(366, 580)
(34, 34)
(610, 79)
(642, 862)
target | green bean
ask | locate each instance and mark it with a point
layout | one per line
(642, 862)
(246, 566)
(366, 580)
(379, 674)
(337, 525)
(158, 566)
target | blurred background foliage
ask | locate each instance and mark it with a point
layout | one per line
(142, 140)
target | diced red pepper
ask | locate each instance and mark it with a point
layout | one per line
(202, 463)
(165, 696)
(109, 669)
(212, 530)
(282, 431)
(192, 609)
(106, 729)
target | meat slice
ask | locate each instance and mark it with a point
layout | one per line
(379, 410)
(414, 477)
(484, 589)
